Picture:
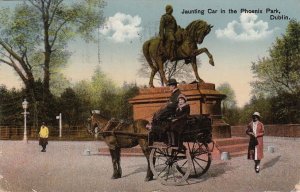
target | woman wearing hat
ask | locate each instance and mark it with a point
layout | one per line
(256, 132)
(179, 123)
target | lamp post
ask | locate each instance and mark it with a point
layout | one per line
(59, 117)
(25, 106)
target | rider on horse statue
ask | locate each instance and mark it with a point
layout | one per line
(167, 30)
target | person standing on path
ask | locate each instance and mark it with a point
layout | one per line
(256, 131)
(44, 133)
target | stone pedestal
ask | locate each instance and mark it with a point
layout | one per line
(202, 97)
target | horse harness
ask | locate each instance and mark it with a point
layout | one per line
(115, 125)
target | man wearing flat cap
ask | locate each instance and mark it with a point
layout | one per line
(159, 124)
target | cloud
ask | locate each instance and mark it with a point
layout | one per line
(121, 27)
(247, 29)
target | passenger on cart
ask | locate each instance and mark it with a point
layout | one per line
(179, 122)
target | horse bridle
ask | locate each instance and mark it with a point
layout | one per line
(99, 123)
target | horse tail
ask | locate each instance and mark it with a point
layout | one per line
(146, 52)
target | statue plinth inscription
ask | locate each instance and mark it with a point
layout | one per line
(202, 98)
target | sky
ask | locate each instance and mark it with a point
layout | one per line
(243, 31)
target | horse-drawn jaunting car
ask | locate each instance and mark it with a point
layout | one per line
(170, 165)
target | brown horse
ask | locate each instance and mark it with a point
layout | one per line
(119, 135)
(186, 43)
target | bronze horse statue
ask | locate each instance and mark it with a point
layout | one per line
(119, 135)
(186, 48)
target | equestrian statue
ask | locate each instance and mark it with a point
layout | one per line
(175, 43)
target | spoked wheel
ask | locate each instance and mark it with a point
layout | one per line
(165, 164)
(201, 158)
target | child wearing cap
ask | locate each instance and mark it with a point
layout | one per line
(179, 122)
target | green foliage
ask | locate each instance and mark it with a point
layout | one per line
(102, 94)
(278, 77)
(58, 84)
(35, 34)
(70, 105)
(280, 72)
(230, 101)
(11, 106)
(261, 105)
(229, 108)
(126, 92)
(74, 103)
(286, 108)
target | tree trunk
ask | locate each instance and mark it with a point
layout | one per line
(30, 87)
(46, 83)
(47, 54)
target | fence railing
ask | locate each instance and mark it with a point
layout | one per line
(17, 133)
(80, 133)
(277, 130)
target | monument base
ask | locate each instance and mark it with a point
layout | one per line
(202, 98)
(220, 129)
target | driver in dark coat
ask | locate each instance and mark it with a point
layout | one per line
(170, 109)
(160, 123)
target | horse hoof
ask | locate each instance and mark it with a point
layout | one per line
(115, 177)
(148, 179)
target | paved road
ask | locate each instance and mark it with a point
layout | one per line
(64, 168)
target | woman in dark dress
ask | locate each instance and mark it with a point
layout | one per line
(179, 122)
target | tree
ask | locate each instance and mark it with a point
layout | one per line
(229, 108)
(35, 34)
(83, 91)
(230, 101)
(286, 108)
(124, 108)
(10, 106)
(279, 74)
(70, 107)
(59, 83)
(102, 94)
(260, 104)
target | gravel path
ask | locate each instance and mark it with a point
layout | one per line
(64, 168)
